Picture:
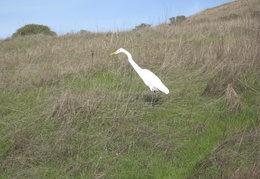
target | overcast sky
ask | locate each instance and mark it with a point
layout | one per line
(64, 16)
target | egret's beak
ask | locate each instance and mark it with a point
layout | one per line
(114, 53)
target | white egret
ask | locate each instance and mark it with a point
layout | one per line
(149, 78)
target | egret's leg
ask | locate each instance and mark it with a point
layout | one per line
(153, 100)
(156, 96)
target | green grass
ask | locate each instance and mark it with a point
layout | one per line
(135, 140)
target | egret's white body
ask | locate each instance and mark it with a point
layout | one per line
(149, 78)
(152, 81)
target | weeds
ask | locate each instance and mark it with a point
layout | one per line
(233, 100)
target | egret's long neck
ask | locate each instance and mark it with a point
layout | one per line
(135, 66)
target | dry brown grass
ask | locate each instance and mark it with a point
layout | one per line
(233, 100)
(223, 48)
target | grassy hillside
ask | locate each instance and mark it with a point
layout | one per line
(70, 110)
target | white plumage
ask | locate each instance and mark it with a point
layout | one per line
(149, 78)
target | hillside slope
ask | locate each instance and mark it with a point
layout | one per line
(70, 110)
(241, 8)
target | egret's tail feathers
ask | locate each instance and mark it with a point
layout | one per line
(165, 90)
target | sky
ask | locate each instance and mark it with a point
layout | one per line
(71, 16)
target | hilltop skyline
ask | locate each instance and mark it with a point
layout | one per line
(97, 16)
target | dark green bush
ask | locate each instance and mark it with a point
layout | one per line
(177, 19)
(33, 29)
(142, 26)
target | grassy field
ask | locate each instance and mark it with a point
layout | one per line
(70, 110)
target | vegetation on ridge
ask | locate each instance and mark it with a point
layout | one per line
(32, 29)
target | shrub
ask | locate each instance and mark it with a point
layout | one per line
(33, 29)
(142, 26)
(177, 19)
(84, 31)
(172, 20)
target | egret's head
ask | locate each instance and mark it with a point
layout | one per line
(118, 51)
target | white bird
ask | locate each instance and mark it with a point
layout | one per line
(149, 78)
